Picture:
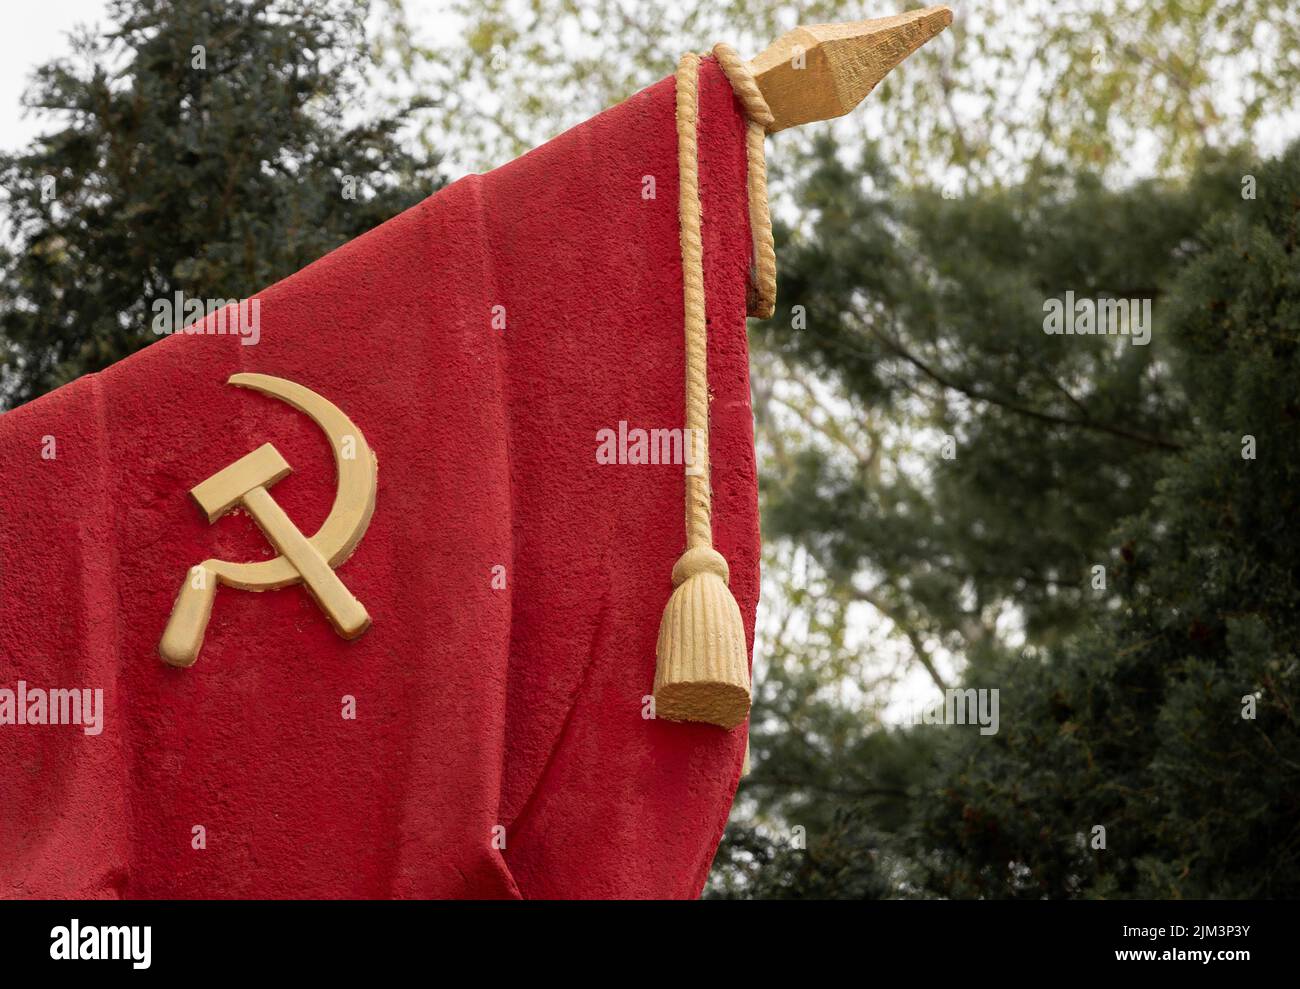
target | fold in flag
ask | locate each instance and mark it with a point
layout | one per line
(499, 370)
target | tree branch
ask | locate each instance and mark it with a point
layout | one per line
(973, 394)
(922, 654)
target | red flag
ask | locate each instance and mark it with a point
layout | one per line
(481, 342)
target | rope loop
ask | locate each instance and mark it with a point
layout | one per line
(762, 296)
(746, 88)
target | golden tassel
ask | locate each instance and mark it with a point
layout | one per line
(703, 669)
(702, 672)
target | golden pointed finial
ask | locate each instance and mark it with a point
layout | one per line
(825, 70)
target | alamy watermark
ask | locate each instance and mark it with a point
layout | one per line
(241, 317)
(650, 446)
(55, 706)
(969, 706)
(1098, 317)
(102, 943)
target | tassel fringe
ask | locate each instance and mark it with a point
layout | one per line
(702, 673)
(703, 668)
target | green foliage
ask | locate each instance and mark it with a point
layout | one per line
(1011, 84)
(214, 180)
(1124, 709)
(930, 311)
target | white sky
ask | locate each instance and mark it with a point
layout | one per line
(33, 34)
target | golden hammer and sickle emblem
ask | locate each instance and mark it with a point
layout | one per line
(310, 560)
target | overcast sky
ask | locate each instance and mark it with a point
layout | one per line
(33, 34)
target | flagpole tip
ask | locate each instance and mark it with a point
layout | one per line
(825, 70)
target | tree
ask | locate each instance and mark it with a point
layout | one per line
(201, 147)
(1175, 724)
(928, 314)
(1116, 85)
(1122, 707)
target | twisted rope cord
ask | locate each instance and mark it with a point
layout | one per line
(699, 520)
(701, 663)
(763, 303)
(699, 511)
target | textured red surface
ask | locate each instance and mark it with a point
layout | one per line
(475, 707)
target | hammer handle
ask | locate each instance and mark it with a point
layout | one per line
(183, 636)
(347, 614)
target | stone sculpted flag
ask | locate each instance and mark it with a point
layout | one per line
(481, 406)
